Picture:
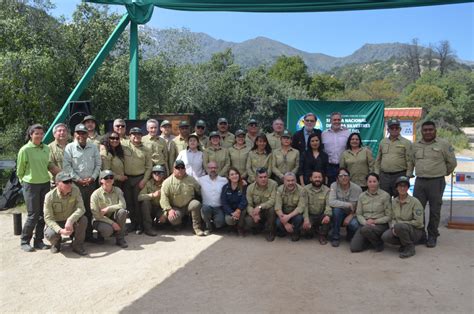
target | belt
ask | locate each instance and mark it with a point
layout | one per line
(139, 175)
(396, 172)
(334, 165)
(435, 178)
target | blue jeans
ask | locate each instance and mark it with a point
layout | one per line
(296, 221)
(338, 216)
(216, 214)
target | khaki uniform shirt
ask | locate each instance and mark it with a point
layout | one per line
(101, 199)
(159, 150)
(395, 156)
(274, 140)
(282, 163)
(181, 143)
(288, 201)
(95, 139)
(338, 198)
(56, 156)
(110, 162)
(409, 212)
(359, 164)
(220, 156)
(61, 208)
(318, 201)
(203, 141)
(255, 161)
(227, 140)
(137, 160)
(261, 196)
(435, 159)
(238, 159)
(249, 141)
(172, 153)
(178, 192)
(148, 190)
(374, 206)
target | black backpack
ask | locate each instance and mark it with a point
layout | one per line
(11, 192)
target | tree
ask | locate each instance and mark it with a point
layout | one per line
(445, 55)
(291, 70)
(412, 59)
(324, 87)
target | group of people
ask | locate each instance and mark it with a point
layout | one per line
(306, 184)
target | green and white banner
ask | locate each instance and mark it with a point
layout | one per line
(365, 117)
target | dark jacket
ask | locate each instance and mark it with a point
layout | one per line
(298, 142)
(308, 164)
(233, 199)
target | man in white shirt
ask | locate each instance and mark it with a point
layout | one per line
(211, 188)
(334, 140)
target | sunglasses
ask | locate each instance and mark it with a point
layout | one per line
(114, 138)
(108, 178)
(200, 127)
(159, 173)
(119, 126)
(67, 182)
(252, 124)
(179, 167)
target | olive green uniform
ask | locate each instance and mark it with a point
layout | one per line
(274, 139)
(238, 159)
(255, 161)
(180, 195)
(375, 206)
(113, 163)
(407, 222)
(359, 164)
(318, 206)
(181, 144)
(58, 209)
(283, 163)
(203, 141)
(220, 156)
(264, 197)
(96, 138)
(151, 208)
(56, 157)
(394, 159)
(249, 141)
(116, 211)
(138, 165)
(172, 151)
(227, 140)
(433, 161)
(288, 201)
(159, 150)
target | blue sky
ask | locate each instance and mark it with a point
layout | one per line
(334, 33)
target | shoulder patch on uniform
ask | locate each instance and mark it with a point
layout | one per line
(418, 212)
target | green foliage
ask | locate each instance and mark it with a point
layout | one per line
(458, 139)
(291, 70)
(325, 87)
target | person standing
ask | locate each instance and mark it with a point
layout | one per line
(200, 131)
(358, 160)
(215, 152)
(181, 140)
(56, 149)
(239, 153)
(227, 138)
(193, 158)
(407, 220)
(82, 160)
(91, 125)
(394, 158)
(167, 135)
(334, 141)
(120, 127)
(278, 127)
(300, 138)
(108, 208)
(252, 132)
(32, 167)
(112, 155)
(259, 157)
(312, 159)
(434, 159)
(156, 145)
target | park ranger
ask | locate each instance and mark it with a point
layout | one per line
(150, 197)
(167, 135)
(239, 153)
(274, 138)
(137, 164)
(91, 125)
(108, 208)
(434, 159)
(199, 130)
(178, 198)
(181, 140)
(252, 132)
(64, 214)
(285, 159)
(394, 158)
(290, 204)
(215, 152)
(156, 145)
(227, 138)
(317, 213)
(261, 202)
(407, 220)
(56, 149)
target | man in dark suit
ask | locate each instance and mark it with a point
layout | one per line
(300, 138)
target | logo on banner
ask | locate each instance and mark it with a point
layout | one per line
(300, 123)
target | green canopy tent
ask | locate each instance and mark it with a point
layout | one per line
(140, 12)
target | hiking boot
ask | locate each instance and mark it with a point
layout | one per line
(41, 246)
(122, 243)
(408, 251)
(335, 243)
(207, 232)
(401, 249)
(431, 243)
(199, 232)
(323, 240)
(100, 239)
(27, 247)
(55, 248)
(79, 250)
(379, 247)
(270, 236)
(241, 232)
(151, 233)
(295, 236)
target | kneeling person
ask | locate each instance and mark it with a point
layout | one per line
(149, 198)
(318, 211)
(407, 224)
(290, 204)
(64, 214)
(108, 209)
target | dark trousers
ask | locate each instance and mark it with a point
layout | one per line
(267, 219)
(387, 181)
(86, 192)
(366, 235)
(338, 216)
(296, 221)
(317, 226)
(34, 195)
(332, 173)
(78, 235)
(149, 213)
(407, 235)
(431, 191)
(131, 197)
(106, 230)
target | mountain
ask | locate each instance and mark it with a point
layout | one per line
(258, 51)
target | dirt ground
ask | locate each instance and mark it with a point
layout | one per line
(221, 273)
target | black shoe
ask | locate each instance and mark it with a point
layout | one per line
(90, 239)
(431, 243)
(408, 251)
(323, 240)
(379, 247)
(131, 228)
(295, 236)
(79, 251)
(55, 248)
(122, 243)
(151, 233)
(41, 246)
(335, 243)
(176, 228)
(401, 249)
(270, 236)
(100, 239)
(27, 247)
